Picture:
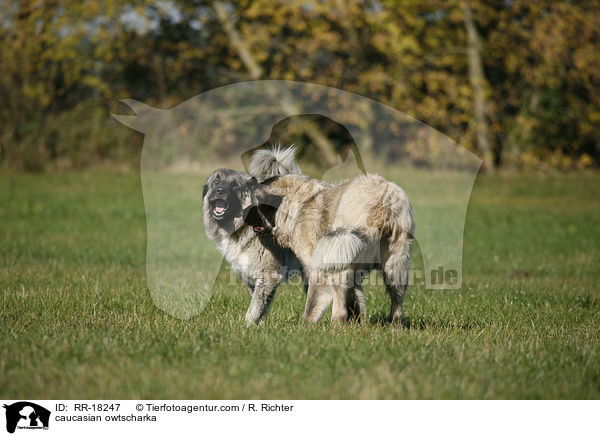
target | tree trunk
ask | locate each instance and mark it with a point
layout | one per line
(288, 103)
(161, 82)
(477, 79)
(237, 42)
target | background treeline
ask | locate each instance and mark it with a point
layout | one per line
(516, 81)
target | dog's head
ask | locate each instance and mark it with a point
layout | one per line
(226, 194)
(261, 213)
(232, 198)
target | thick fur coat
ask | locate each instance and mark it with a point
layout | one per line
(227, 197)
(339, 232)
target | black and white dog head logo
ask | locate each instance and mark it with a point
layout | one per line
(26, 415)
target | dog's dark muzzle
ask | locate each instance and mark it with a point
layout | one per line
(257, 220)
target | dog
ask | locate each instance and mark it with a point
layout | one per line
(227, 198)
(338, 232)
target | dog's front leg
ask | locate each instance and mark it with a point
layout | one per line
(264, 291)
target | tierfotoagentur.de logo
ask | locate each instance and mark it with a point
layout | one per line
(24, 415)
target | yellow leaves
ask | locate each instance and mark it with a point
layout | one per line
(405, 53)
(96, 83)
(92, 8)
(33, 90)
(375, 81)
(585, 161)
(594, 116)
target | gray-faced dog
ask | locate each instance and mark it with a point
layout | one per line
(228, 198)
(338, 232)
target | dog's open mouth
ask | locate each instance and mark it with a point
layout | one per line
(218, 208)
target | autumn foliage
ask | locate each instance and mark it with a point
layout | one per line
(518, 82)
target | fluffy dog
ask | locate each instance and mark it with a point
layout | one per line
(339, 232)
(227, 197)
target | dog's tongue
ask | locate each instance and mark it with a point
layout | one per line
(259, 229)
(219, 209)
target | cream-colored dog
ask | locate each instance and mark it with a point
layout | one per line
(338, 232)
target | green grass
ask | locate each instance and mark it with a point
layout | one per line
(77, 319)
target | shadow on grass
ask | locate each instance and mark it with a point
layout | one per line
(421, 322)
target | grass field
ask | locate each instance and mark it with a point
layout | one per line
(77, 320)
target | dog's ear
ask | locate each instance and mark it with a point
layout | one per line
(204, 190)
(247, 193)
(255, 193)
(247, 201)
(262, 197)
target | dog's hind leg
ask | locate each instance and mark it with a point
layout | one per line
(395, 275)
(355, 303)
(355, 296)
(345, 301)
(396, 292)
(339, 311)
(318, 299)
(348, 296)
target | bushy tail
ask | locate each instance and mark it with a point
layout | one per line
(338, 250)
(276, 161)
